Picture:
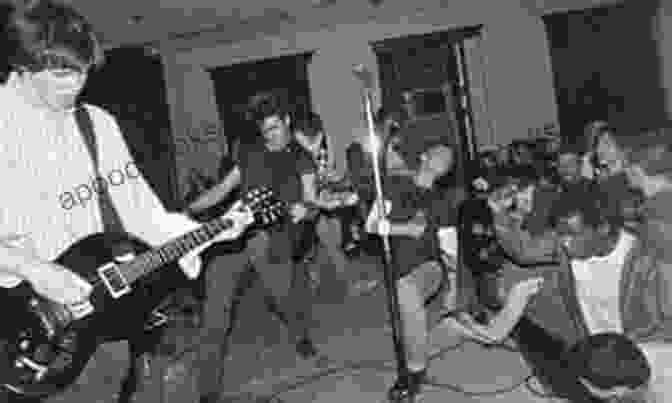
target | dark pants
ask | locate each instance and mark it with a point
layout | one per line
(352, 224)
(285, 284)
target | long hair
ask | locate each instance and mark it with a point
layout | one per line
(46, 34)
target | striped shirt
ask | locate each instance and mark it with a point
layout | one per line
(50, 184)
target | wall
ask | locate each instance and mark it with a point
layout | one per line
(194, 120)
(516, 65)
(662, 32)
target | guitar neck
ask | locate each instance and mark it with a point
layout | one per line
(173, 250)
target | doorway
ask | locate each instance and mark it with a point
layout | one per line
(130, 85)
(606, 66)
(235, 86)
(424, 77)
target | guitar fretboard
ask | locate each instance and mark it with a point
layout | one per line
(153, 259)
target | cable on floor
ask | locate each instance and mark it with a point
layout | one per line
(387, 366)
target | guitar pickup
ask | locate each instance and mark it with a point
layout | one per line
(115, 282)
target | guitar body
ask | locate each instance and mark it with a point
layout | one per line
(45, 349)
(47, 345)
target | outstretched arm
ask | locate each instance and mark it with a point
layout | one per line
(217, 193)
(501, 325)
(521, 246)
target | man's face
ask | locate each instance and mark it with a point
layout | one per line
(569, 167)
(59, 88)
(275, 131)
(638, 179)
(609, 156)
(580, 241)
(438, 160)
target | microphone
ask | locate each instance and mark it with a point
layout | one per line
(364, 75)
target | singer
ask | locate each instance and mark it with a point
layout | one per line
(419, 206)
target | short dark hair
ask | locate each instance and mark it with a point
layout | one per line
(267, 105)
(652, 151)
(588, 204)
(608, 360)
(47, 34)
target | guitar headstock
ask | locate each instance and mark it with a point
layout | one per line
(266, 208)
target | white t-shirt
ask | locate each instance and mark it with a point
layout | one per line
(49, 180)
(659, 356)
(598, 284)
(598, 287)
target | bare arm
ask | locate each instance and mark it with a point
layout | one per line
(523, 247)
(19, 261)
(218, 192)
(499, 328)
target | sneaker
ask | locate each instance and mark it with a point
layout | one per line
(352, 249)
(361, 287)
(306, 349)
(209, 398)
(404, 388)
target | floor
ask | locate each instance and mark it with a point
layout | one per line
(357, 363)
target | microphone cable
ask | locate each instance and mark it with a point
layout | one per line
(350, 367)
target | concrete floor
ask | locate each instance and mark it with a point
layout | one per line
(357, 364)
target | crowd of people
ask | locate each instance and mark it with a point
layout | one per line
(581, 221)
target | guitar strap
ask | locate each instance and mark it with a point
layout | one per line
(108, 213)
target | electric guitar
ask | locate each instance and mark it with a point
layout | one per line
(47, 345)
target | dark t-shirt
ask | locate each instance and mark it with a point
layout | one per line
(617, 196)
(438, 208)
(281, 172)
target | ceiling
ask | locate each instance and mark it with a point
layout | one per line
(153, 21)
(148, 21)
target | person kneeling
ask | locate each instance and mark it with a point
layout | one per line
(608, 364)
(417, 208)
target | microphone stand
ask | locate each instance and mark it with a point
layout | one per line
(390, 271)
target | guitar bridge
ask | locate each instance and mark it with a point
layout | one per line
(114, 281)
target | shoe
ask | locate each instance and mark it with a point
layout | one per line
(352, 249)
(209, 398)
(363, 286)
(404, 388)
(306, 349)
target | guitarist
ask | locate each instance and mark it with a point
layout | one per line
(275, 160)
(53, 48)
(310, 134)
